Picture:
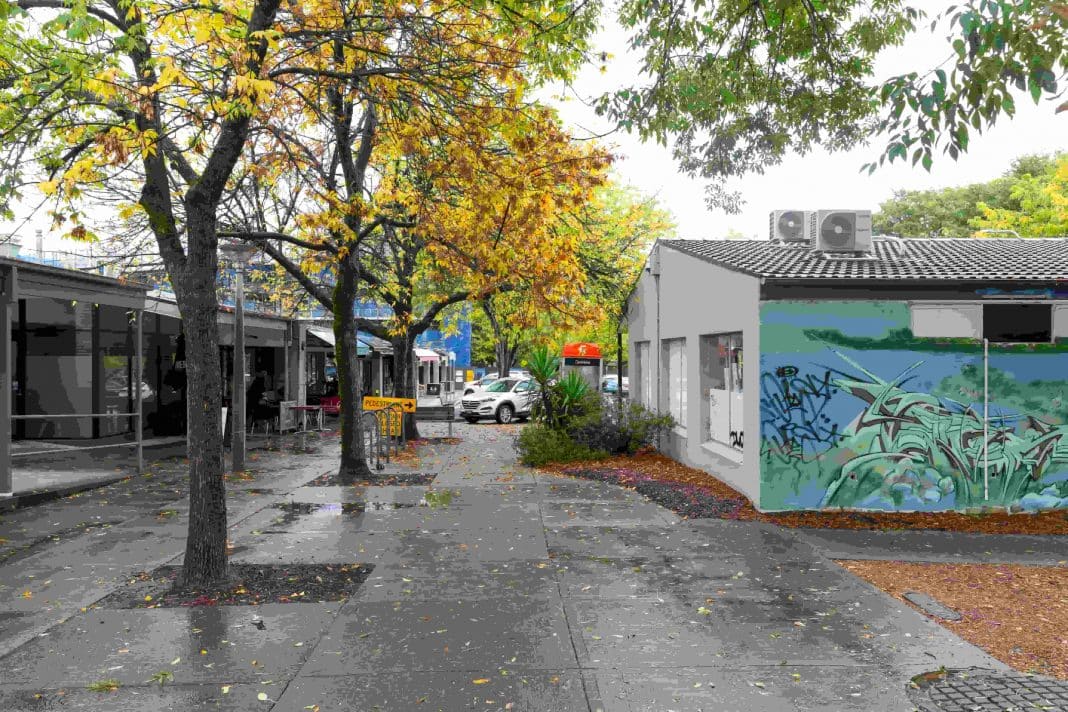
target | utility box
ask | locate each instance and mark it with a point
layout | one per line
(585, 359)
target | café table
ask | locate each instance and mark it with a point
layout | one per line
(304, 410)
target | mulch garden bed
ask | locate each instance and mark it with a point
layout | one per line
(696, 494)
(1018, 614)
(396, 479)
(250, 584)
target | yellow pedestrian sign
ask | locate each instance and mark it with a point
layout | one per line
(390, 421)
(376, 403)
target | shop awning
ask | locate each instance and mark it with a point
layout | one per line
(325, 335)
(427, 355)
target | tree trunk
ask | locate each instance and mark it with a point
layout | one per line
(353, 456)
(502, 350)
(505, 356)
(404, 385)
(205, 549)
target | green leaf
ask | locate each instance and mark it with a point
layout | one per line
(1036, 89)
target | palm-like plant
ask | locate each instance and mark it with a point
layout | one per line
(544, 367)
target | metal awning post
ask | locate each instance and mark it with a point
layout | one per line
(239, 254)
(986, 419)
(8, 297)
(138, 377)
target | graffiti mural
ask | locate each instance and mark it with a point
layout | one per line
(792, 408)
(844, 424)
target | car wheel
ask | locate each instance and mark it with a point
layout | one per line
(471, 420)
(505, 414)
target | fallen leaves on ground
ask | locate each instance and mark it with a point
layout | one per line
(694, 493)
(251, 584)
(1018, 614)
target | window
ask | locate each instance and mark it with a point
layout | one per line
(673, 367)
(721, 389)
(644, 387)
(1007, 323)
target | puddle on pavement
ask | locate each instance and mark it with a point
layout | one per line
(293, 511)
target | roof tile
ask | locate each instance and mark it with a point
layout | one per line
(946, 259)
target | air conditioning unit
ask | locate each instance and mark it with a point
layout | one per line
(788, 226)
(840, 230)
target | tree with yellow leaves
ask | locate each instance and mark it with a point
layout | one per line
(160, 96)
(413, 162)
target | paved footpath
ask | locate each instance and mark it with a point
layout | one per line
(505, 590)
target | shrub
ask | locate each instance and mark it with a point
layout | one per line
(606, 428)
(540, 445)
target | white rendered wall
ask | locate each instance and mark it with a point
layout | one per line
(697, 298)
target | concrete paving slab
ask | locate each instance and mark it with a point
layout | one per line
(755, 689)
(655, 579)
(562, 488)
(147, 697)
(480, 498)
(591, 513)
(121, 545)
(750, 572)
(641, 541)
(330, 494)
(503, 516)
(637, 634)
(455, 581)
(363, 547)
(404, 691)
(480, 636)
(132, 645)
(494, 475)
(61, 588)
(948, 547)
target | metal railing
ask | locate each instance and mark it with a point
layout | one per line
(374, 438)
(138, 442)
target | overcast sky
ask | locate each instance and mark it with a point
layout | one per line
(818, 180)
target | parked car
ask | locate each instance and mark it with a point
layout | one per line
(480, 384)
(609, 385)
(504, 400)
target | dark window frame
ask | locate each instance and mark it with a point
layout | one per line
(1026, 319)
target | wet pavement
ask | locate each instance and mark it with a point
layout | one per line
(493, 588)
(941, 547)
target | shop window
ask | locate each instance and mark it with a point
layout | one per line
(721, 389)
(673, 368)
(1018, 323)
(643, 389)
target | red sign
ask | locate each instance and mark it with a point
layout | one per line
(582, 349)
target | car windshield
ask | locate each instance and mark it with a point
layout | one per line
(609, 386)
(502, 386)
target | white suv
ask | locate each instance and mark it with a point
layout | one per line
(480, 384)
(504, 400)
